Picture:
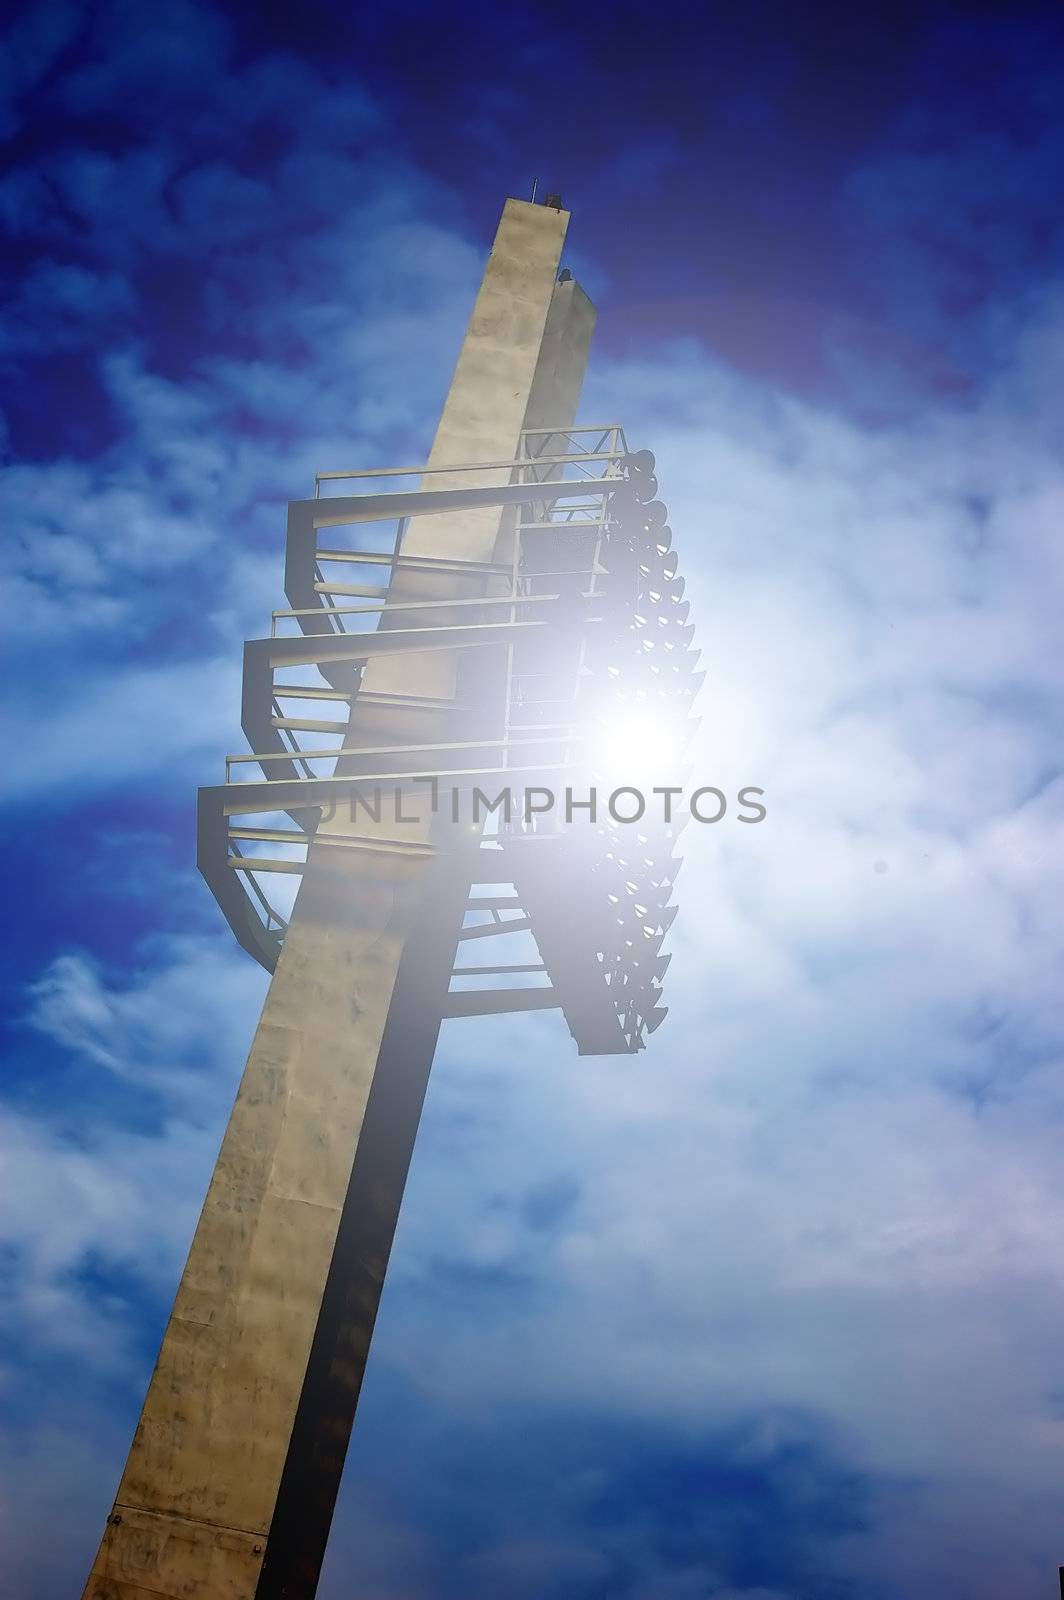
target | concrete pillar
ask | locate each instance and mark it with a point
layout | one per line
(229, 1485)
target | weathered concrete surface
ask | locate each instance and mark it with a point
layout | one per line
(482, 418)
(200, 1489)
(212, 1437)
(562, 362)
(144, 1555)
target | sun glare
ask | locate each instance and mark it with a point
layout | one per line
(636, 745)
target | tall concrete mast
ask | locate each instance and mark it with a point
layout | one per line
(268, 1338)
(523, 539)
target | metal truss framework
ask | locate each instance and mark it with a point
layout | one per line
(585, 620)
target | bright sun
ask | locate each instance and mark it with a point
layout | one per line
(636, 745)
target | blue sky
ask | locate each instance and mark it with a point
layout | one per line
(774, 1311)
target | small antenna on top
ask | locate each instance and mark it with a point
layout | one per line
(535, 186)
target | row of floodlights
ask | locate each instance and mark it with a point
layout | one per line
(645, 657)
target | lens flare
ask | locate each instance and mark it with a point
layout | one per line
(636, 745)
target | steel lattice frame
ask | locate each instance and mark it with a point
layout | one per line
(587, 621)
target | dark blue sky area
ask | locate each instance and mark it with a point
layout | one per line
(806, 189)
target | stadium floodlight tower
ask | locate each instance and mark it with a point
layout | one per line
(472, 625)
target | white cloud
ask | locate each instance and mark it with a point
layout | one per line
(82, 1186)
(166, 725)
